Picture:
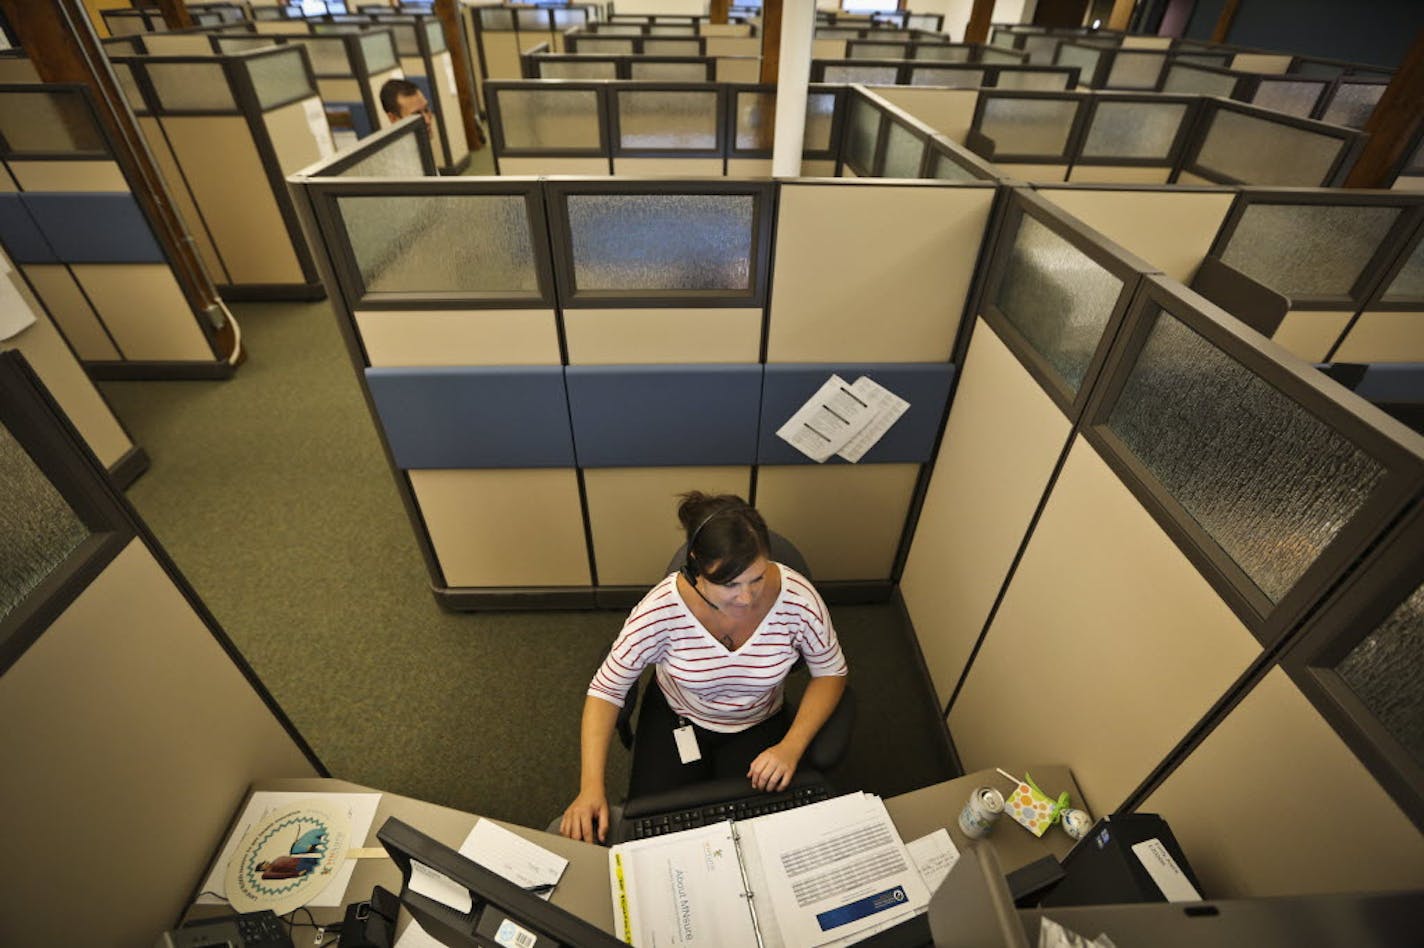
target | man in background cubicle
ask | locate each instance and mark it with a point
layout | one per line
(401, 97)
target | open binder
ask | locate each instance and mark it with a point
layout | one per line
(830, 873)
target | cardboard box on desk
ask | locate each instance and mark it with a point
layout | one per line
(1129, 857)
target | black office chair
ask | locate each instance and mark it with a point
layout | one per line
(830, 744)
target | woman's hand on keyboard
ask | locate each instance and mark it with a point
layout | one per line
(774, 767)
(587, 817)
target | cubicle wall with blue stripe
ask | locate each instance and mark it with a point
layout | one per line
(551, 362)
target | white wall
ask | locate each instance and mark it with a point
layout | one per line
(956, 13)
(677, 7)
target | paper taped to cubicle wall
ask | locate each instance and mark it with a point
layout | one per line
(15, 313)
(359, 808)
(843, 419)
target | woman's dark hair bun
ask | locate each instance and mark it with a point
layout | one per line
(725, 534)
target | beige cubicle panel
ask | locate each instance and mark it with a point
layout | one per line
(667, 167)
(1118, 174)
(1384, 336)
(632, 515)
(842, 249)
(55, 362)
(731, 47)
(447, 94)
(68, 176)
(224, 171)
(870, 503)
(1186, 177)
(548, 165)
(1138, 41)
(950, 112)
(62, 296)
(144, 310)
(1124, 641)
(1311, 334)
(1134, 220)
(458, 337)
(1266, 63)
(1032, 173)
(536, 514)
(183, 198)
(299, 134)
(985, 489)
(761, 168)
(659, 335)
(139, 739)
(738, 69)
(1273, 802)
(177, 44)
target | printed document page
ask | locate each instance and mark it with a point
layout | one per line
(830, 873)
(828, 420)
(681, 889)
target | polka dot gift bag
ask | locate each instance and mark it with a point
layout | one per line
(1031, 807)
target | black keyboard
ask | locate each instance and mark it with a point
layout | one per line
(744, 808)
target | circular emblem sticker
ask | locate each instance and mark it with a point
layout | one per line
(287, 858)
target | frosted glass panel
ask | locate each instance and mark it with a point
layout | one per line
(989, 55)
(862, 130)
(674, 121)
(406, 38)
(1180, 79)
(1266, 480)
(39, 528)
(1023, 79)
(611, 45)
(399, 159)
(878, 51)
(672, 47)
(1386, 672)
(328, 56)
(668, 72)
(1135, 70)
(756, 120)
(1057, 297)
(1353, 105)
(949, 78)
(546, 119)
(568, 69)
(944, 54)
(1040, 49)
(671, 29)
(379, 50)
(435, 37)
(671, 242)
(49, 122)
(1133, 129)
(1408, 284)
(279, 78)
(191, 87)
(565, 19)
(947, 169)
(1081, 56)
(534, 20)
(1256, 151)
(502, 20)
(1308, 250)
(903, 152)
(1028, 126)
(423, 244)
(868, 75)
(1292, 98)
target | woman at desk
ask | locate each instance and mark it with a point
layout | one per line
(723, 633)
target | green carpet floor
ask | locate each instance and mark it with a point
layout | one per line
(271, 493)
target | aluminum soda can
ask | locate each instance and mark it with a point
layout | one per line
(984, 808)
(1076, 823)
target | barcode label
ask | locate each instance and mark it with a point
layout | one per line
(512, 936)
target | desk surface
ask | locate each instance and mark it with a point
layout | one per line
(584, 889)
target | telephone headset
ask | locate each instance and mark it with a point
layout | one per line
(689, 566)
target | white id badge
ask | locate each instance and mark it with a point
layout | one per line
(686, 740)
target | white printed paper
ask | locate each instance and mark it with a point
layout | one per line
(934, 856)
(513, 857)
(1163, 869)
(15, 313)
(416, 937)
(886, 408)
(450, 77)
(828, 420)
(440, 887)
(833, 871)
(320, 128)
(360, 809)
(681, 889)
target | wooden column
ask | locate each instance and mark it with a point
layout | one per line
(1394, 122)
(1223, 22)
(175, 14)
(771, 38)
(59, 39)
(449, 13)
(720, 11)
(1121, 15)
(979, 19)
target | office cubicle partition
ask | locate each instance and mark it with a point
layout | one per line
(225, 129)
(426, 61)
(967, 75)
(134, 726)
(1243, 144)
(1178, 499)
(71, 224)
(498, 36)
(542, 65)
(583, 305)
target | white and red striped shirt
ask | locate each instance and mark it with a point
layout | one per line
(704, 682)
